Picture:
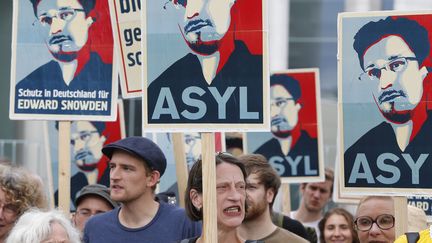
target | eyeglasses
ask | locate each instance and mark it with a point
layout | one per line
(397, 65)
(383, 221)
(280, 102)
(65, 14)
(176, 3)
(84, 136)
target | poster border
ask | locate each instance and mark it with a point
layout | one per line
(208, 127)
(385, 191)
(304, 179)
(58, 116)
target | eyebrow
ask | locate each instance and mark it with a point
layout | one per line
(391, 58)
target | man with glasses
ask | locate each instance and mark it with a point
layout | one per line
(87, 140)
(75, 72)
(219, 80)
(374, 219)
(91, 200)
(391, 52)
(289, 142)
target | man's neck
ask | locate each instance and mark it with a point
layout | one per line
(285, 145)
(306, 216)
(138, 213)
(68, 70)
(212, 64)
(403, 134)
(71, 69)
(209, 65)
(288, 143)
(407, 131)
(257, 228)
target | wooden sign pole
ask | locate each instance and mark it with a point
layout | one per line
(64, 166)
(401, 215)
(286, 198)
(181, 166)
(209, 188)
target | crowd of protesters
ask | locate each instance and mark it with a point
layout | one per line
(129, 211)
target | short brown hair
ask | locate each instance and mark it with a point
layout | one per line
(258, 164)
(329, 176)
(195, 182)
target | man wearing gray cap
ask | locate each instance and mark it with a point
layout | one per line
(91, 200)
(136, 165)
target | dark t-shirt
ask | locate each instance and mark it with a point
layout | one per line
(170, 224)
(290, 224)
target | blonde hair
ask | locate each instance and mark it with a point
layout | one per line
(23, 189)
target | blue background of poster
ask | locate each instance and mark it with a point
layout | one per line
(356, 96)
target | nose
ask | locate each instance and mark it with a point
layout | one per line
(316, 193)
(374, 230)
(337, 231)
(234, 195)
(387, 78)
(193, 8)
(114, 174)
(79, 144)
(274, 110)
(57, 25)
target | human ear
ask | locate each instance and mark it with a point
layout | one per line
(196, 199)
(423, 72)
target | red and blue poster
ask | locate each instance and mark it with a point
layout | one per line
(62, 61)
(88, 165)
(294, 144)
(384, 102)
(206, 65)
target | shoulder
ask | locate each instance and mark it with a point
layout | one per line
(178, 69)
(401, 239)
(267, 145)
(98, 221)
(295, 227)
(172, 213)
(283, 233)
(379, 131)
(35, 78)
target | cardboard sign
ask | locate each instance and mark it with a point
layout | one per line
(126, 16)
(294, 145)
(62, 62)
(88, 165)
(207, 71)
(384, 96)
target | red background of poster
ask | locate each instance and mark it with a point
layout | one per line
(248, 23)
(425, 21)
(100, 33)
(308, 100)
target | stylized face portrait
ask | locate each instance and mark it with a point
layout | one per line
(284, 111)
(66, 27)
(192, 147)
(204, 23)
(392, 66)
(87, 145)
